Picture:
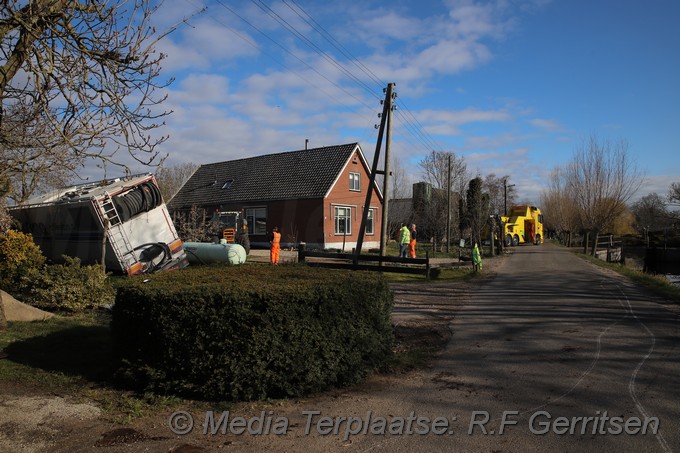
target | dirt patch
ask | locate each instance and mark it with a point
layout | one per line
(34, 423)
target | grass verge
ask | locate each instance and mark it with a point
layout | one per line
(72, 356)
(441, 275)
(658, 284)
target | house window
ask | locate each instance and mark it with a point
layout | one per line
(354, 182)
(257, 220)
(343, 220)
(227, 184)
(369, 221)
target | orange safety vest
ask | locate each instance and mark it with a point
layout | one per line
(276, 240)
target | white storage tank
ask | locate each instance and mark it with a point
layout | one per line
(210, 253)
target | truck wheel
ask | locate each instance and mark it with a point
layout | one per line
(515, 241)
(538, 239)
(508, 240)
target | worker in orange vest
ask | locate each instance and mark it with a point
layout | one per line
(275, 242)
(412, 244)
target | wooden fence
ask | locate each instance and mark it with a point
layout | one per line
(367, 262)
(609, 248)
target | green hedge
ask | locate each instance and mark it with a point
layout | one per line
(249, 332)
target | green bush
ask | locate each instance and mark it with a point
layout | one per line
(70, 287)
(20, 257)
(252, 332)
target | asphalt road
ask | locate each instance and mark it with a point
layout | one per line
(553, 354)
(571, 357)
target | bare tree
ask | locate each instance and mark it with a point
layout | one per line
(400, 208)
(435, 167)
(171, 178)
(33, 158)
(92, 71)
(400, 185)
(559, 210)
(651, 213)
(3, 319)
(674, 192)
(496, 188)
(5, 218)
(601, 179)
(193, 225)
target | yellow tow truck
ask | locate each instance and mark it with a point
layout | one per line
(523, 224)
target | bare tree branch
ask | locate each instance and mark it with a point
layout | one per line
(92, 68)
(601, 179)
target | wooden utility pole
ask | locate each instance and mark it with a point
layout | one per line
(387, 106)
(448, 208)
(384, 230)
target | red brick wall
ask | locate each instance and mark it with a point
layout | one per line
(341, 195)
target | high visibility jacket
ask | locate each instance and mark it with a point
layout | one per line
(476, 257)
(404, 235)
(276, 238)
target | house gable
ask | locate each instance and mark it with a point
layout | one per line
(357, 158)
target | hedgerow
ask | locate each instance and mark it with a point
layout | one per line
(252, 332)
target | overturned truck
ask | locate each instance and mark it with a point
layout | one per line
(123, 222)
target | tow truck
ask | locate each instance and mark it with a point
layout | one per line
(523, 224)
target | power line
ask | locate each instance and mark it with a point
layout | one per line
(220, 2)
(409, 120)
(310, 43)
(326, 35)
(414, 125)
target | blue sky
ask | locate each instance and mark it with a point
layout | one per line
(512, 86)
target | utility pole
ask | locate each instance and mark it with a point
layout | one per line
(448, 208)
(387, 106)
(505, 195)
(384, 231)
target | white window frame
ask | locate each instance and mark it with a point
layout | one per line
(355, 181)
(347, 217)
(370, 223)
(252, 217)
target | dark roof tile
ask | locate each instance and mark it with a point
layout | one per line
(289, 175)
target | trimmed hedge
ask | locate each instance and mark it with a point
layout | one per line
(251, 332)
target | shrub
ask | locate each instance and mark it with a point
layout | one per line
(70, 287)
(252, 332)
(19, 258)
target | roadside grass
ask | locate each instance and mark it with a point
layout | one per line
(58, 353)
(73, 356)
(658, 284)
(439, 275)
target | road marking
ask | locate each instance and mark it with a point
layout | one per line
(631, 383)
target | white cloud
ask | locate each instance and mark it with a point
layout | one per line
(546, 124)
(442, 122)
(200, 88)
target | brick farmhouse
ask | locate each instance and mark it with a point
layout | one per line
(315, 196)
